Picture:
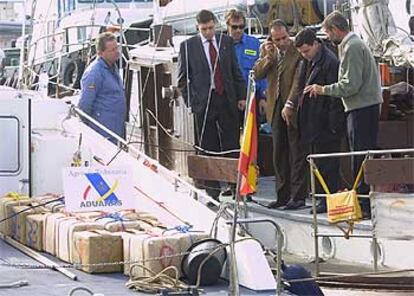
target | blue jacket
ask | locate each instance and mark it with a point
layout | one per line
(247, 52)
(103, 97)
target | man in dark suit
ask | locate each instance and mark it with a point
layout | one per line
(210, 81)
(321, 119)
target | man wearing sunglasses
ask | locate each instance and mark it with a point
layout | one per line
(247, 52)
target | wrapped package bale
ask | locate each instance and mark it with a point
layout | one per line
(50, 230)
(34, 231)
(55, 207)
(127, 237)
(115, 223)
(61, 243)
(141, 216)
(65, 230)
(187, 237)
(95, 247)
(18, 227)
(6, 203)
(88, 216)
(155, 252)
(49, 207)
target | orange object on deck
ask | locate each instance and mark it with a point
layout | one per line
(385, 74)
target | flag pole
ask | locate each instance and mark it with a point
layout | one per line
(234, 279)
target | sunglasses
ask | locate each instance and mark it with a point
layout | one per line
(235, 27)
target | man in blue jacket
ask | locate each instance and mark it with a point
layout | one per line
(247, 51)
(102, 91)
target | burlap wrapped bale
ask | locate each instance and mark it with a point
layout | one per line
(18, 227)
(94, 247)
(50, 230)
(66, 229)
(34, 231)
(115, 223)
(155, 253)
(6, 203)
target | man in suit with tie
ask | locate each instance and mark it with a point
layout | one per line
(321, 120)
(210, 81)
(278, 63)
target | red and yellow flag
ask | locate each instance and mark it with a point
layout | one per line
(248, 152)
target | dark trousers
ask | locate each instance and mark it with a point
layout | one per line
(289, 159)
(362, 128)
(217, 129)
(328, 167)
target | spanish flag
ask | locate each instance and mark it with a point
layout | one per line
(248, 154)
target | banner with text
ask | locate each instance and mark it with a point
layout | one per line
(98, 189)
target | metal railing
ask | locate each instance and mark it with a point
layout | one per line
(279, 241)
(369, 154)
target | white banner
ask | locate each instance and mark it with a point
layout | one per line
(98, 189)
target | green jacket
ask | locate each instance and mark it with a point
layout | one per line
(358, 81)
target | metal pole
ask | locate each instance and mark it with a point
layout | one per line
(234, 279)
(315, 217)
(374, 238)
(22, 49)
(327, 234)
(372, 152)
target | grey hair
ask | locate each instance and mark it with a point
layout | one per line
(337, 20)
(102, 39)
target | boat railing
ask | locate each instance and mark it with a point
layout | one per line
(370, 154)
(279, 242)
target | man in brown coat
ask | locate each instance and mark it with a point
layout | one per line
(278, 64)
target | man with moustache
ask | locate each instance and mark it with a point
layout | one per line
(102, 91)
(278, 63)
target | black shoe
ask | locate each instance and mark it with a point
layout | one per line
(213, 193)
(248, 198)
(212, 206)
(294, 205)
(275, 204)
(227, 192)
(366, 215)
(320, 208)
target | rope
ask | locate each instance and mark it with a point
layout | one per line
(187, 143)
(156, 281)
(161, 205)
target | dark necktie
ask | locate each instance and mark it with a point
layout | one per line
(279, 65)
(215, 65)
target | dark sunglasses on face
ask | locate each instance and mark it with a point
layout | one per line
(235, 27)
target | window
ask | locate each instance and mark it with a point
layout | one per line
(9, 150)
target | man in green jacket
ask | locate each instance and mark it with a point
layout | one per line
(359, 87)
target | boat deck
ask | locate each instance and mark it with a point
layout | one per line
(50, 282)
